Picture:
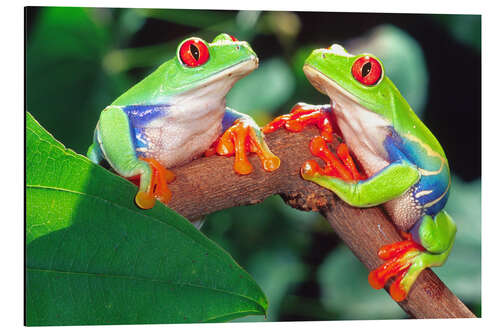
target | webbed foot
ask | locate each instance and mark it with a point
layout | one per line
(303, 114)
(343, 168)
(158, 188)
(241, 138)
(405, 260)
(399, 256)
(340, 165)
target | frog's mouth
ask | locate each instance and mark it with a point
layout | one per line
(217, 85)
(326, 85)
(234, 73)
(203, 97)
(362, 129)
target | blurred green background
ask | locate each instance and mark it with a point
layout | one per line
(78, 60)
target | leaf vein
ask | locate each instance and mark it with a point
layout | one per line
(136, 278)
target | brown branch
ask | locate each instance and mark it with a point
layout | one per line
(209, 184)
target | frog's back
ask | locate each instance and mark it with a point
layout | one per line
(148, 91)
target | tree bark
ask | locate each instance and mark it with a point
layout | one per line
(209, 184)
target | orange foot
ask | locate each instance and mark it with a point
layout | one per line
(303, 114)
(344, 168)
(239, 139)
(399, 257)
(319, 115)
(158, 189)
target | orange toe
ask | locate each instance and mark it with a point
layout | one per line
(334, 167)
(300, 116)
(398, 259)
(239, 140)
(397, 291)
(145, 200)
(159, 180)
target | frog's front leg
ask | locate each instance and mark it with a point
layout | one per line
(343, 178)
(431, 246)
(303, 114)
(321, 116)
(114, 141)
(241, 135)
(344, 168)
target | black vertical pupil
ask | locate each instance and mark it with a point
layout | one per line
(194, 51)
(366, 69)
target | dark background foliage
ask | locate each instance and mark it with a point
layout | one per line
(78, 60)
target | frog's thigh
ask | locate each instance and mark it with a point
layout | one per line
(389, 183)
(117, 145)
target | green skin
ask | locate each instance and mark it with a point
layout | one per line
(402, 180)
(192, 106)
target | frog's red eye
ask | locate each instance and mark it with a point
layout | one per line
(367, 70)
(194, 52)
(233, 38)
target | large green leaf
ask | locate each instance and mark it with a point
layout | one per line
(93, 257)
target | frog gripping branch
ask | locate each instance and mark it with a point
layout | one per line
(403, 165)
(177, 114)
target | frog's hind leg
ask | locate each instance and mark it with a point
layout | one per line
(113, 136)
(94, 153)
(428, 244)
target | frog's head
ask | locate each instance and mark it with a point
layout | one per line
(199, 64)
(199, 71)
(352, 81)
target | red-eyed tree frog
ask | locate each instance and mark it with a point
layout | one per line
(403, 165)
(178, 113)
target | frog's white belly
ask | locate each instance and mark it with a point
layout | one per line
(179, 137)
(175, 144)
